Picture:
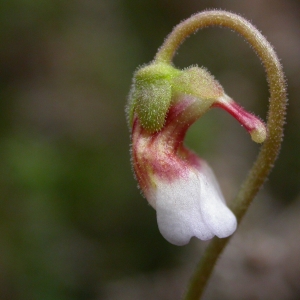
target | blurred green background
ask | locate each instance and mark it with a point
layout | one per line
(73, 224)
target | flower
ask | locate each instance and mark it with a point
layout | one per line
(163, 104)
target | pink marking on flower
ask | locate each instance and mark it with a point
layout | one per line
(162, 154)
(251, 123)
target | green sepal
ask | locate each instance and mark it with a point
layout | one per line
(151, 95)
(152, 104)
(199, 83)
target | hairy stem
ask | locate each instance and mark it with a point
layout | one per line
(275, 121)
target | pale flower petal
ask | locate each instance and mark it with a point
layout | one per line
(178, 211)
(193, 206)
(216, 215)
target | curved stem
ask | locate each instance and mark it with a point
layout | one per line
(275, 122)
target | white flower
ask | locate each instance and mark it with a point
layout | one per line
(176, 182)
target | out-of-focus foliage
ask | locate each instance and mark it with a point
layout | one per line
(72, 221)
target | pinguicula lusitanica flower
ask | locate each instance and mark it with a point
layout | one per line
(163, 103)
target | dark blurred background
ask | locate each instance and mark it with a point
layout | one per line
(73, 224)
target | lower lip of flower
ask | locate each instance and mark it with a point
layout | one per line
(193, 206)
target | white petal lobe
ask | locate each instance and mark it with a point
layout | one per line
(193, 206)
(218, 217)
(178, 211)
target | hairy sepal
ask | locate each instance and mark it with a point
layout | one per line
(198, 82)
(151, 95)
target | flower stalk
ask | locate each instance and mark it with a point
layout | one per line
(275, 123)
